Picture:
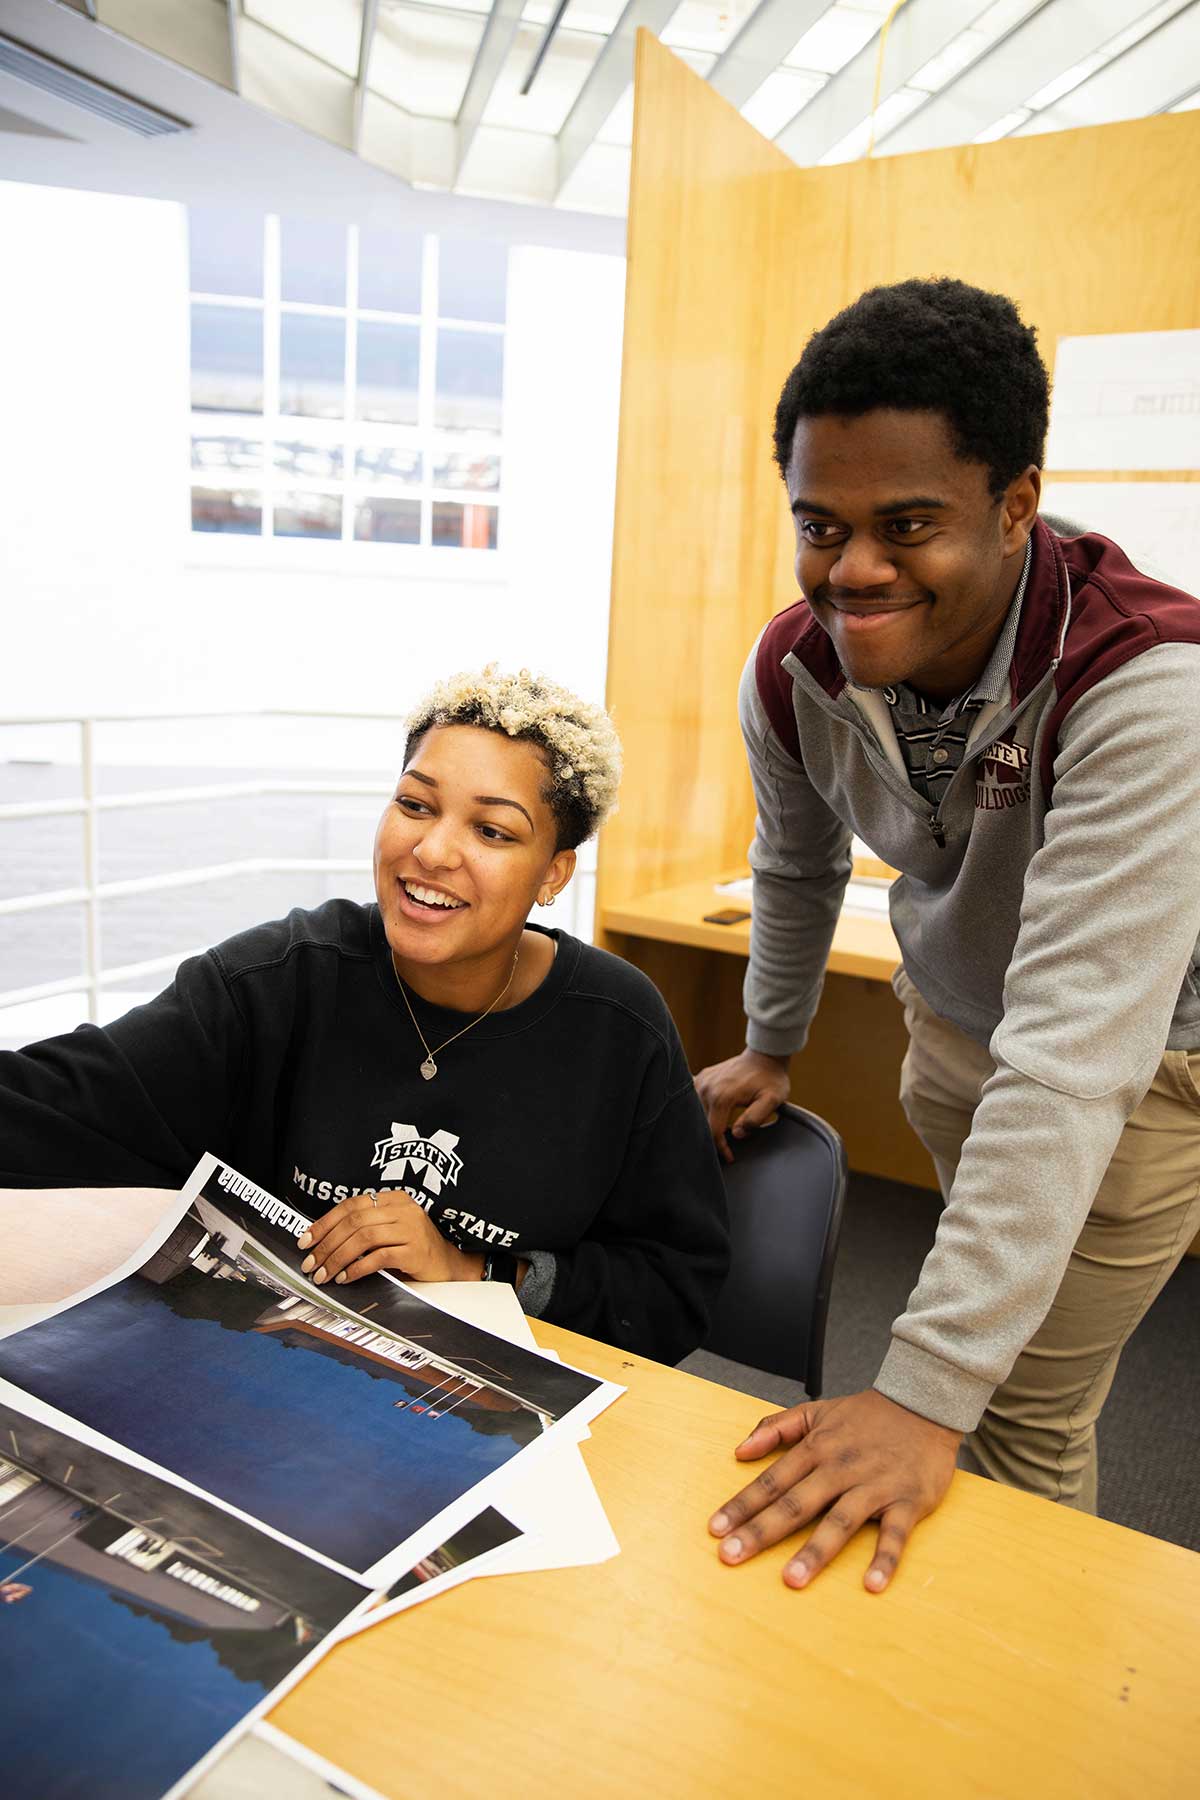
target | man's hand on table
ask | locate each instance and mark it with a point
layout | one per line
(359, 1237)
(852, 1459)
(744, 1092)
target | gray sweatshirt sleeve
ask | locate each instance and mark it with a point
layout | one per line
(1108, 930)
(801, 862)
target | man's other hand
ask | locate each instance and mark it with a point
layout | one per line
(852, 1459)
(742, 1093)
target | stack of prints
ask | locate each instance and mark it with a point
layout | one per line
(211, 1469)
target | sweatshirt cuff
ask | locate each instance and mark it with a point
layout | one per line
(773, 1043)
(535, 1291)
(935, 1389)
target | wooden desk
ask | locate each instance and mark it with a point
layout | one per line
(861, 946)
(849, 1071)
(1022, 1651)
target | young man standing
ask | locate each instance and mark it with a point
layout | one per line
(1008, 712)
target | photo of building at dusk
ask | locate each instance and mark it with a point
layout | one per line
(218, 1362)
(157, 1620)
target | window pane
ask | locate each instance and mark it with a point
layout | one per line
(470, 378)
(380, 521)
(312, 359)
(226, 250)
(464, 527)
(226, 455)
(317, 462)
(389, 270)
(388, 464)
(227, 359)
(226, 509)
(388, 361)
(467, 466)
(472, 279)
(312, 261)
(308, 515)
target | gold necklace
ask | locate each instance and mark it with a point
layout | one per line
(429, 1066)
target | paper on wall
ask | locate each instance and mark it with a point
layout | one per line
(1126, 400)
(1156, 523)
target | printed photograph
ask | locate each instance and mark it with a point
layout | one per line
(347, 1427)
(484, 1533)
(264, 1764)
(138, 1623)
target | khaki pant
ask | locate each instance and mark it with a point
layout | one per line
(1039, 1430)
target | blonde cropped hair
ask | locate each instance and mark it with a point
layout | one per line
(577, 739)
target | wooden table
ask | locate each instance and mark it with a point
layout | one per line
(861, 945)
(849, 1071)
(1023, 1650)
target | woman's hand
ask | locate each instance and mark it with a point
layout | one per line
(361, 1235)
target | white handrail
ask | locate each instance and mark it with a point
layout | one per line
(88, 805)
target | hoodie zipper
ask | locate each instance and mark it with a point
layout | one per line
(903, 790)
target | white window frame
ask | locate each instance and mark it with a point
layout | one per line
(346, 555)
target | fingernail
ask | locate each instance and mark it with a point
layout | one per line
(303, 1242)
(307, 1264)
(731, 1549)
(321, 1275)
(876, 1579)
(796, 1575)
(719, 1524)
(340, 1277)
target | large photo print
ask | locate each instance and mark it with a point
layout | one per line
(139, 1623)
(347, 1420)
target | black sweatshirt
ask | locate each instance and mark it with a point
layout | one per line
(564, 1130)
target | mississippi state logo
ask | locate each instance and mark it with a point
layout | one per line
(1003, 779)
(431, 1159)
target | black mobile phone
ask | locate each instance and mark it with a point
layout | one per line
(729, 915)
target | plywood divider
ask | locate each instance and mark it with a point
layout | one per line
(735, 257)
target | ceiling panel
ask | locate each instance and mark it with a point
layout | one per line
(423, 56)
(921, 32)
(330, 31)
(839, 34)
(1053, 38)
(566, 67)
(1143, 78)
(438, 101)
(760, 46)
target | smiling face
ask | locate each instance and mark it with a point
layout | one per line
(903, 555)
(466, 847)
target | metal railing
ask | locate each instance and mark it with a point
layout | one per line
(89, 804)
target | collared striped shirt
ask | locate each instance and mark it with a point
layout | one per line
(933, 741)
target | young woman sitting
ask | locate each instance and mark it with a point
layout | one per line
(448, 1091)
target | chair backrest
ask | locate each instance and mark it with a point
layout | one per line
(786, 1189)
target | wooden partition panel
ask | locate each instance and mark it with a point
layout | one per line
(698, 549)
(735, 257)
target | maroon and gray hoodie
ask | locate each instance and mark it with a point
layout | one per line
(1049, 906)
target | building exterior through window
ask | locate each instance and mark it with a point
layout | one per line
(347, 382)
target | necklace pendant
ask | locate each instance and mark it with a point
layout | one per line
(429, 1068)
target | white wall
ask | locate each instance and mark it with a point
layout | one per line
(93, 460)
(109, 605)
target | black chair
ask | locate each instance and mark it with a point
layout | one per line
(786, 1189)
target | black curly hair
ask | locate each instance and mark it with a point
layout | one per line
(929, 346)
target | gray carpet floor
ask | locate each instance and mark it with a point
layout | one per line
(1150, 1430)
